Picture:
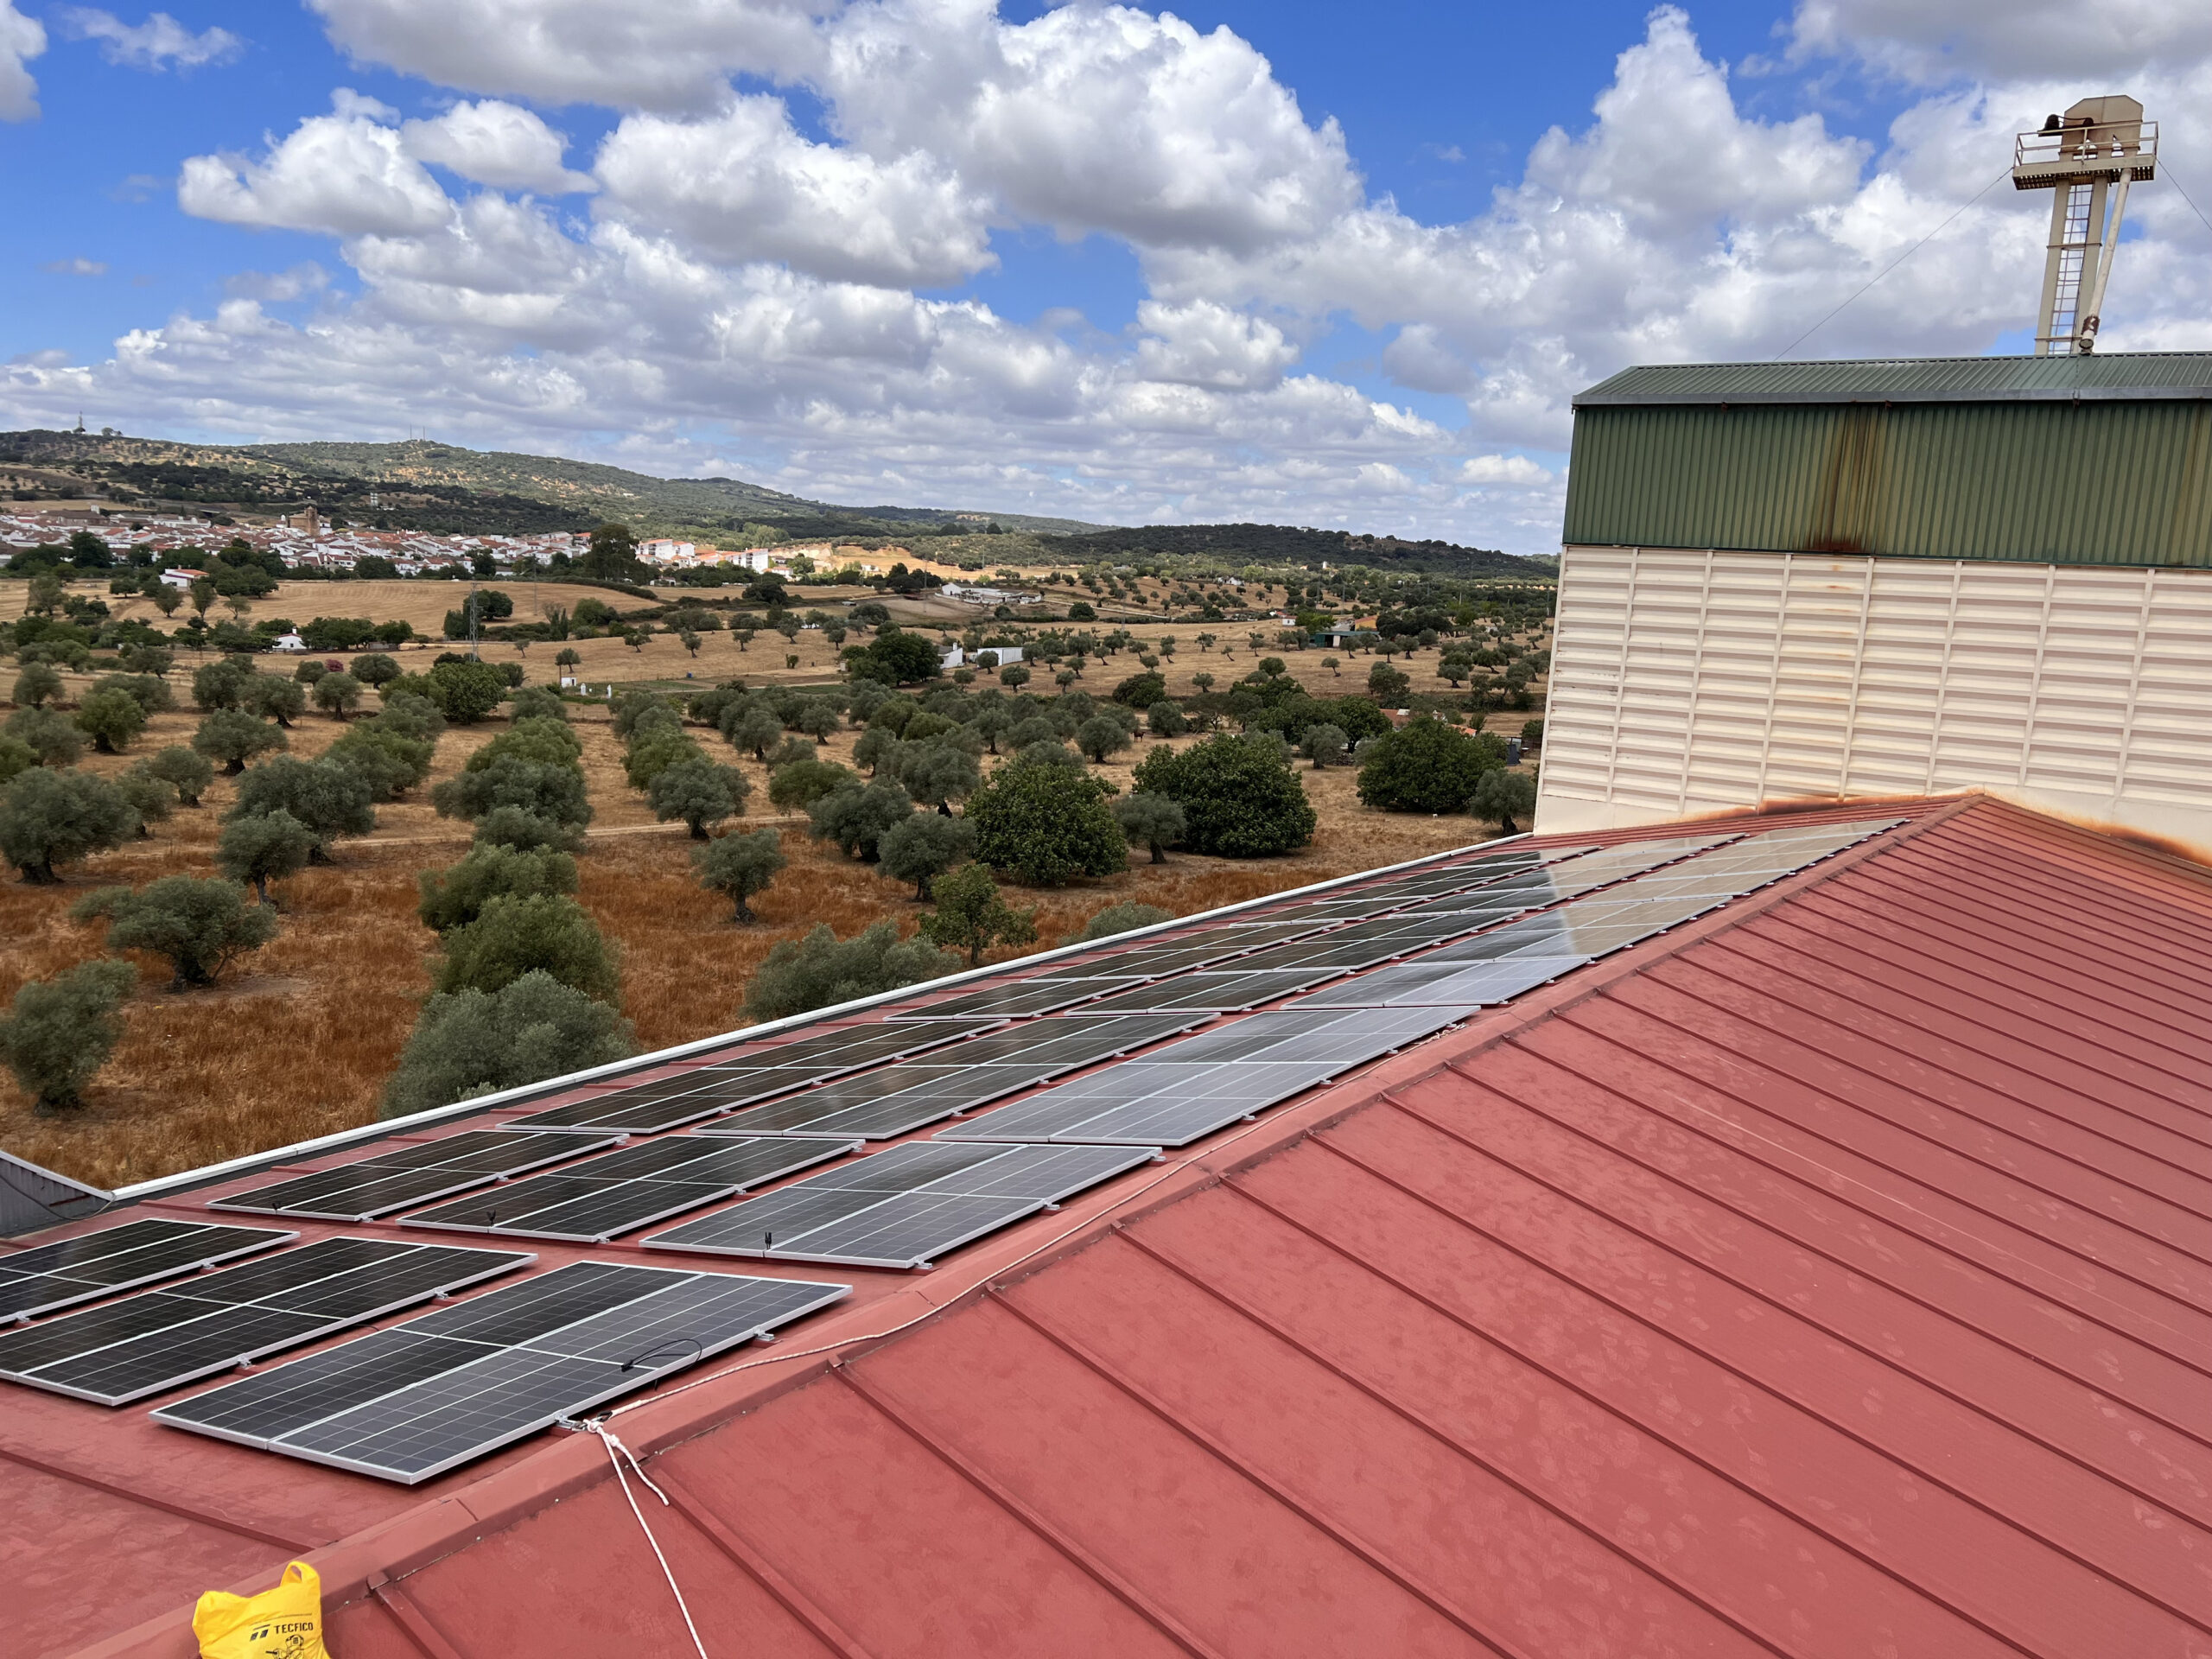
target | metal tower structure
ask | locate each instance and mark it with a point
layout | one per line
(2079, 157)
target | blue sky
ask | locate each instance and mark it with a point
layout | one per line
(1314, 268)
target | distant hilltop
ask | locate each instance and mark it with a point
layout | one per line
(441, 489)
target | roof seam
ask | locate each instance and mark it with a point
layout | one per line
(1376, 1560)
(1497, 1471)
(1107, 1577)
(1642, 1430)
(1773, 1389)
(2029, 1275)
(1777, 981)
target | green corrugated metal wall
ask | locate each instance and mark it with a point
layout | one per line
(2112, 483)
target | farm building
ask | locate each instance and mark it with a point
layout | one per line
(1840, 579)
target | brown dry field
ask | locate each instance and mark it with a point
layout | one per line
(298, 1041)
(663, 660)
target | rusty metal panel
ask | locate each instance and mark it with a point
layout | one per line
(2109, 483)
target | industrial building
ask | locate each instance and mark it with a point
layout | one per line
(1833, 581)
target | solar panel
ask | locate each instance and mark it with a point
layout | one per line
(1021, 998)
(1426, 982)
(704, 1091)
(620, 1192)
(1217, 992)
(410, 1402)
(92, 1265)
(1191, 1089)
(903, 1208)
(1192, 951)
(161, 1340)
(899, 1099)
(396, 1176)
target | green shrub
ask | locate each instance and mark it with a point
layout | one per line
(200, 925)
(261, 848)
(1045, 823)
(456, 896)
(188, 773)
(1121, 918)
(410, 716)
(49, 819)
(536, 703)
(469, 1043)
(738, 866)
(387, 761)
(1239, 798)
(1426, 767)
(821, 969)
(234, 737)
(514, 936)
(59, 1031)
(1140, 690)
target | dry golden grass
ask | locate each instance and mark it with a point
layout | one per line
(300, 1043)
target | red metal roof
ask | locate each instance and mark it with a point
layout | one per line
(1833, 1275)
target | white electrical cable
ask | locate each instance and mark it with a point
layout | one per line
(614, 1446)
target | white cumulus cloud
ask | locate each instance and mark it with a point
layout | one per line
(21, 38)
(160, 42)
(499, 144)
(347, 173)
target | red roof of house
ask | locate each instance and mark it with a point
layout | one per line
(1831, 1275)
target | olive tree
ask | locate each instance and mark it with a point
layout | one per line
(234, 737)
(59, 1031)
(473, 1042)
(53, 737)
(49, 818)
(110, 718)
(699, 792)
(456, 896)
(261, 848)
(514, 935)
(199, 923)
(1324, 745)
(330, 799)
(188, 773)
(1503, 796)
(338, 695)
(857, 819)
(1121, 918)
(823, 969)
(1150, 821)
(972, 917)
(738, 866)
(923, 847)
(39, 682)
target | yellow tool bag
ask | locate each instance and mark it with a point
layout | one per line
(285, 1622)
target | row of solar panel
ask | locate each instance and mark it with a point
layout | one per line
(410, 1401)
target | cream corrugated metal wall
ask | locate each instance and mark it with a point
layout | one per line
(1685, 682)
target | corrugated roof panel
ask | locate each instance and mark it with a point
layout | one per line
(2114, 483)
(2117, 375)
